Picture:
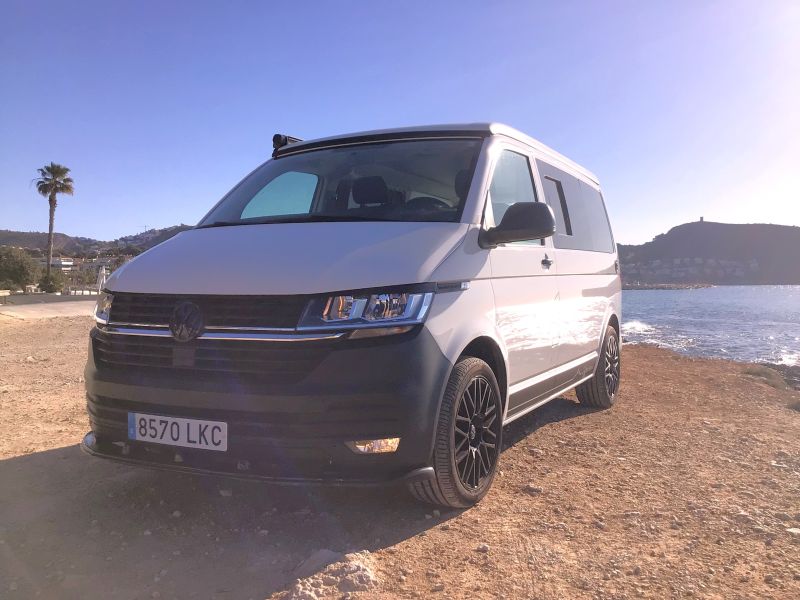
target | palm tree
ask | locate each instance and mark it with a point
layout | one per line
(53, 180)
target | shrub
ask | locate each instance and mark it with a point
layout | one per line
(17, 269)
(766, 375)
(54, 283)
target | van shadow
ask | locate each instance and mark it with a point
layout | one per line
(558, 409)
(73, 525)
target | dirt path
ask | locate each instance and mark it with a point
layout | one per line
(686, 488)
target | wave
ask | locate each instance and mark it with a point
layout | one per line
(634, 327)
(789, 358)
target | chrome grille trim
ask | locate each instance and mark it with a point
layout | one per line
(263, 335)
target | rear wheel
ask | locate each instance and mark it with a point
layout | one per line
(468, 438)
(601, 390)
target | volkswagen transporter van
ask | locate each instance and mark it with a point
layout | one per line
(367, 308)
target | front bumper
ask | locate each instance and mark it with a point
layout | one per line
(288, 432)
(143, 457)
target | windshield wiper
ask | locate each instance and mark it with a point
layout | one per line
(219, 224)
(311, 218)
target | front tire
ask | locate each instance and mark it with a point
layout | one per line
(601, 390)
(468, 438)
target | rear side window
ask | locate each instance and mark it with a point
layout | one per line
(288, 194)
(581, 220)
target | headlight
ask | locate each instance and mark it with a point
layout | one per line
(102, 311)
(360, 311)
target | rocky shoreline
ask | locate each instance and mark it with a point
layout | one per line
(791, 374)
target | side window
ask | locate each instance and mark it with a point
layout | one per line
(511, 183)
(288, 194)
(554, 194)
(581, 220)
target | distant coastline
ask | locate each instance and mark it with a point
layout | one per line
(714, 254)
(635, 285)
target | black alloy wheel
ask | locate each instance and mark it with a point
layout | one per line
(476, 432)
(611, 371)
(468, 440)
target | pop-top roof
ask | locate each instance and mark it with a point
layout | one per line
(447, 130)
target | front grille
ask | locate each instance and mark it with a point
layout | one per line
(218, 311)
(227, 361)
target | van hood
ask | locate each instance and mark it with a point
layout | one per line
(290, 258)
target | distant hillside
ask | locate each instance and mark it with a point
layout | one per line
(68, 245)
(716, 253)
(62, 244)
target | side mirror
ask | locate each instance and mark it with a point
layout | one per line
(523, 221)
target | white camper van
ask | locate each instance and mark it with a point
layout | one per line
(361, 309)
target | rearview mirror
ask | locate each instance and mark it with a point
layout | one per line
(523, 221)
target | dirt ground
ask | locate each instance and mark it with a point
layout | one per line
(688, 487)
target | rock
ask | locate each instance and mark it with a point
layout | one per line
(533, 490)
(439, 587)
(176, 513)
(483, 548)
(30, 359)
(437, 514)
(317, 561)
(428, 516)
(793, 531)
(355, 573)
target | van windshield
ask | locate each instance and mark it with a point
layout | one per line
(419, 180)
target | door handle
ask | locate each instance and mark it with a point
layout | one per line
(546, 262)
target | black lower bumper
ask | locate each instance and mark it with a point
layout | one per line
(287, 432)
(121, 452)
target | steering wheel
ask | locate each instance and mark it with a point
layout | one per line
(427, 203)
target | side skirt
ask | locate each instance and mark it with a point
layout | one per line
(531, 394)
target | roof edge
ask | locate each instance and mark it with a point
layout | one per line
(428, 131)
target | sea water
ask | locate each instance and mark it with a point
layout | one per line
(755, 323)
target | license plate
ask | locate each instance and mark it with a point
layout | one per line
(175, 431)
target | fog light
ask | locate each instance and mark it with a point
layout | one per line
(374, 446)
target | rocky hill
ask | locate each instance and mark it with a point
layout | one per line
(72, 246)
(715, 253)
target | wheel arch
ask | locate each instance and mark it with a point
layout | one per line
(485, 348)
(614, 322)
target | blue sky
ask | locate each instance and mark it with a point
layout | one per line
(682, 109)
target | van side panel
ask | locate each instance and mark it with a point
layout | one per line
(590, 293)
(585, 256)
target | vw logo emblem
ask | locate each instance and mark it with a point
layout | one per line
(186, 322)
